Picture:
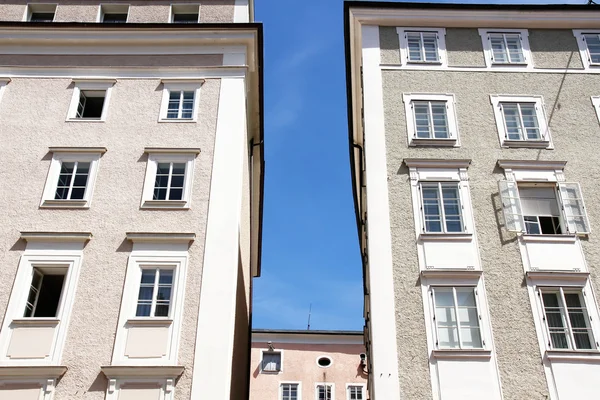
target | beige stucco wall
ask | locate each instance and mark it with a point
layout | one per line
(32, 115)
(574, 129)
(139, 11)
(300, 365)
(192, 60)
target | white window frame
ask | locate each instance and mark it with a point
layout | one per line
(183, 8)
(324, 356)
(363, 387)
(154, 302)
(298, 383)
(112, 8)
(332, 385)
(595, 103)
(91, 85)
(441, 47)
(39, 7)
(449, 99)
(583, 48)
(439, 186)
(156, 156)
(3, 82)
(75, 154)
(489, 55)
(545, 140)
(55, 255)
(178, 85)
(262, 354)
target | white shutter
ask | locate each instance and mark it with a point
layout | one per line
(575, 214)
(511, 205)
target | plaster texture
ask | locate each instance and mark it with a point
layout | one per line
(554, 48)
(300, 365)
(574, 129)
(192, 60)
(464, 48)
(33, 123)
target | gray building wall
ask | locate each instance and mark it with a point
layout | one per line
(574, 129)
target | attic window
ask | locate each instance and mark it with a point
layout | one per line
(324, 361)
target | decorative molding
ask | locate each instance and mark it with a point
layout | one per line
(562, 71)
(451, 273)
(532, 164)
(35, 321)
(56, 236)
(446, 237)
(112, 385)
(169, 150)
(50, 385)
(573, 355)
(462, 173)
(94, 81)
(558, 275)
(175, 81)
(169, 385)
(160, 237)
(560, 238)
(4, 80)
(436, 163)
(150, 321)
(49, 372)
(100, 150)
(462, 354)
(150, 371)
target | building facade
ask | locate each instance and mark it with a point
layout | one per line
(306, 365)
(133, 222)
(475, 184)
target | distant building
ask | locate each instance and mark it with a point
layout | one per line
(474, 132)
(296, 365)
(132, 213)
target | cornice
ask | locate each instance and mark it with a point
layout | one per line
(160, 237)
(158, 371)
(56, 236)
(100, 150)
(558, 275)
(532, 164)
(451, 273)
(172, 150)
(436, 163)
(43, 372)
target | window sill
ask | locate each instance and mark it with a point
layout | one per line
(35, 321)
(160, 204)
(65, 204)
(573, 355)
(462, 353)
(459, 237)
(568, 238)
(438, 273)
(145, 371)
(95, 120)
(433, 142)
(409, 62)
(33, 371)
(145, 321)
(271, 372)
(533, 144)
(184, 121)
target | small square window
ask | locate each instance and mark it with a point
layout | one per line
(521, 121)
(324, 391)
(179, 101)
(430, 119)
(589, 47)
(114, 13)
(185, 13)
(154, 296)
(40, 12)
(90, 101)
(508, 48)
(422, 46)
(271, 361)
(290, 391)
(45, 291)
(356, 392)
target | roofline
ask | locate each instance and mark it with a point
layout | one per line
(464, 6)
(307, 332)
(136, 25)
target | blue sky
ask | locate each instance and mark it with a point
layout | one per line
(310, 244)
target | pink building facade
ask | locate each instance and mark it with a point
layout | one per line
(308, 365)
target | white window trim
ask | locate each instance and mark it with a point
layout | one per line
(450, 101)
(595, 103)
(67, 256)
(262, 352)
(154, 255)
(487, 49)
(187, 156)
(332, 385)
(3, 82)
(91, 155)
(324, 356)
(185, 6)
(168, 86)
(441, 35)
(545, 142)
(83, 85)
(39, 7)
(583, 49)
(363, 386)
(290, 383)
(112, 8)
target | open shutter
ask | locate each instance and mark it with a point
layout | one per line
(81, 105)
(511, 205)
(575, 214)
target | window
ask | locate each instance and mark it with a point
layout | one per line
(44, 292)
(456, 318)
(324, 361)
(441, 207)
(180, 102)
(543, 209)
(169, 178)
(324, 391)
(430, 119)
(422, 46)
(71, 177)
(290, 391)
(566, 318)
(90, 100)
(271, 361)
(40, 12)
(589, 47)
(113, 13)
(506, 48)
(356, 392)
(521, 121)
(185, 13)
(154, 298)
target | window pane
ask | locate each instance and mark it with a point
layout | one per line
(176, 194)
(148, 276)
(143, 310)
(452, 208)
(160, 194)
(165, 277)
(162, 310)
(414, 46)
(173, 108)
(431, 208)
(471, 337)
(440, 122)
(498, 48)
(163, 168)
(77, 193)
(532, 225)
(164, 293)
(554, 320)
(530, 121)
(161, 181)
(513, 122)
(422, 126)
(176, 181)
(178, 168)
(515, 51)
(146, 293)
(430, 47)
(593, 45)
